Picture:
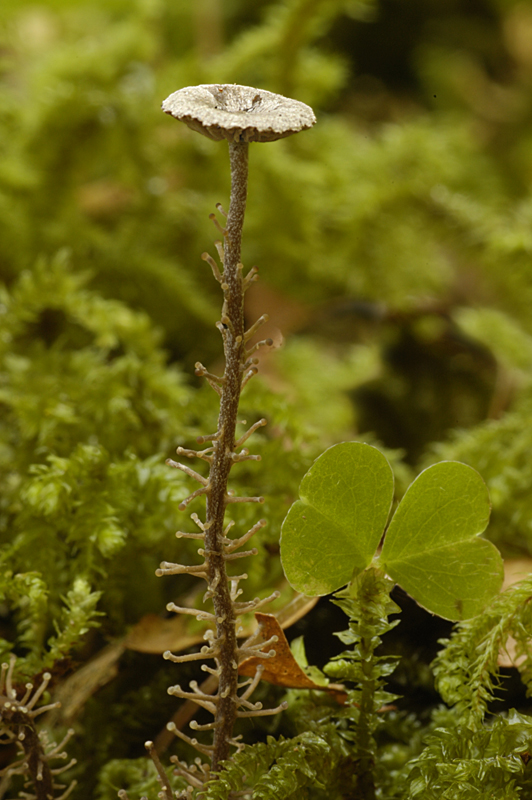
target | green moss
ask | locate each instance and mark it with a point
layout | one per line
(401, 225)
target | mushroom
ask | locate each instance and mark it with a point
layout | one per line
(240, 114)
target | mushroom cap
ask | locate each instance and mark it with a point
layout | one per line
(238, 113)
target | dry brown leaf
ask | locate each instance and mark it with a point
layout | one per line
(286, 616)
(295, 610)
(74, 692)
(153, 634)
(508, 655)
(515, 569)
(282, 669)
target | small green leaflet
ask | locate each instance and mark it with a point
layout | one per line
(431, 547)
(336, 526)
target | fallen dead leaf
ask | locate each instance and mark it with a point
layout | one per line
(286, 616)
(282, 669)
(74, 692)
(154, 634)
(515, 569)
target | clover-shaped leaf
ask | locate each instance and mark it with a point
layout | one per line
(432, 547)
(335, 528)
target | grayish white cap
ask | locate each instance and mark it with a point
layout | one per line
(238, 113)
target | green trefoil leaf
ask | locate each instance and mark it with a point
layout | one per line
(432, 547)
(332, 532)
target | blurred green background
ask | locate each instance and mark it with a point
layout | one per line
(394, 244)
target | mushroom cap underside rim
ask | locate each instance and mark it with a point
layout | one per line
(238, 113)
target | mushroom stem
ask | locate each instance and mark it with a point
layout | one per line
(224, 445)
(238, 157)
(240, 114)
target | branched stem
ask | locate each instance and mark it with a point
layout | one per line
(17, 726)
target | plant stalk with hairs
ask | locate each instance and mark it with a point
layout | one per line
(35, 749)
(241, 115)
